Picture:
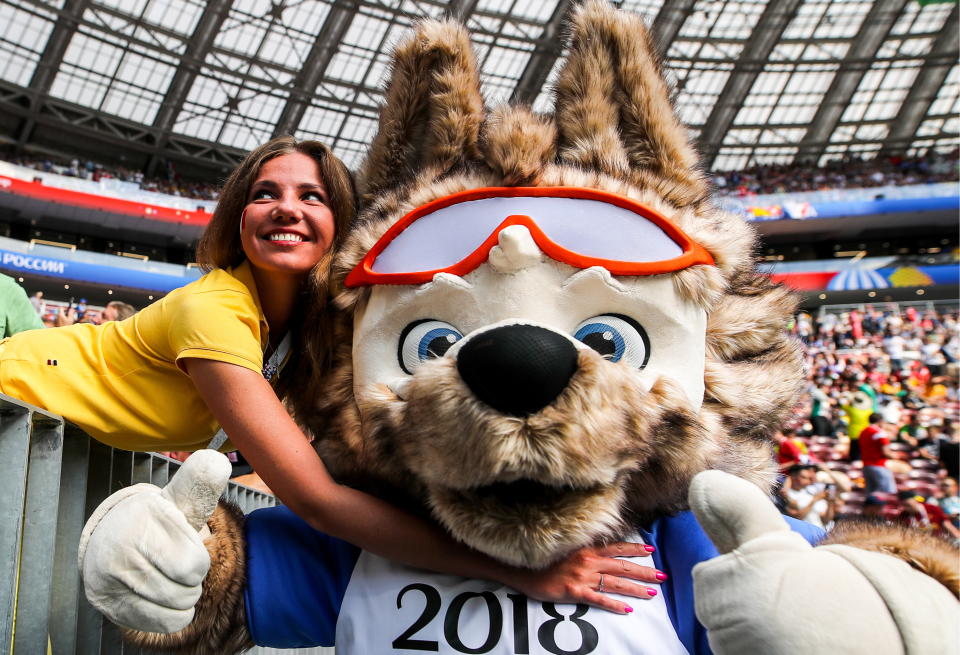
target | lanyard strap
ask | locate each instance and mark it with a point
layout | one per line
(270, 369)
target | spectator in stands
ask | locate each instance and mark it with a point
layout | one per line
(894, 344)
(949, 501)
(117, 311)
(267, 250)
(18, 313)
(928, 447)
(820, 411)
(911, 432)
(807, 499)
(923, 516)
(873, 507)
(876, 475)
(858, 406)
(789, 451)
(39, 304)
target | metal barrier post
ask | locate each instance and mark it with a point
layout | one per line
(14, 455)
(67, 593)
(39, 533)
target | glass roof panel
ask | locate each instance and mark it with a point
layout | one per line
(123, 55)
(24, 30)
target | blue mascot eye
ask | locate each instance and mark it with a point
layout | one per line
(423, 340)
(617, 338)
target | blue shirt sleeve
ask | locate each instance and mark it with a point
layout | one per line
(681, 543)
(296, 580)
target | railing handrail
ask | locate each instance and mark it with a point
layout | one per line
(54, 477)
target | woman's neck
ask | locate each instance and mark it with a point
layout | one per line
(278, 295)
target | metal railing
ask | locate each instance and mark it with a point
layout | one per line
(53, 477)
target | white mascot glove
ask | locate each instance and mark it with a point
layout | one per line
(770, 592)
(141, 555)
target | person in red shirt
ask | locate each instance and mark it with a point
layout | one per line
(789, 452)
(923, 516)
(873, 452)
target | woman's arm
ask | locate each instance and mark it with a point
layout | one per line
(257, 423)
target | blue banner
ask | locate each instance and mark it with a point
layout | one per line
(883, 206)
(92, 273)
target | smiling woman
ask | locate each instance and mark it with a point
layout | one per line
(266, 252)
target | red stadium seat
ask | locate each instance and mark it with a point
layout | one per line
(925, 475)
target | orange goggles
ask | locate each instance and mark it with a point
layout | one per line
(576, 226)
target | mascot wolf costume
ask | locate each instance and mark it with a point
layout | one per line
(553, 333)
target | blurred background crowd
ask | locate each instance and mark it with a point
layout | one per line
(852, 171)
(876, 432)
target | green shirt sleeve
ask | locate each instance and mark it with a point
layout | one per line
(18, 312)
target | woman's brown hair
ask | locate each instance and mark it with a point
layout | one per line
(312, 325)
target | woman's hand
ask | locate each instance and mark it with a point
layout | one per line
(577, 578)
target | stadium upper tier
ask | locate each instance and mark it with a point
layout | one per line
(110, 202)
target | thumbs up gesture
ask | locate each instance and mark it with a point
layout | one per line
(771, 592)
(142, 557)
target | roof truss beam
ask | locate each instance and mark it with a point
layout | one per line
(325, 46)
(943, 56)
(548, 49)
(68, 20)
(671, 17)
(862, 53)
(766, 34)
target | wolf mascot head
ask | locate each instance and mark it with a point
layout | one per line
(553, 328)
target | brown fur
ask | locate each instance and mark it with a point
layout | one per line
(934, 556)
(518, 145)
(622, 455)
(613, 109)
(431, 119)
(219, 624)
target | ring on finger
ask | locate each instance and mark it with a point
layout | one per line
(600, 586)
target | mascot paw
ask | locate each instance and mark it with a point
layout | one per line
(769, 591)
(142, 557)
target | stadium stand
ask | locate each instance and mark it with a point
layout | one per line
(907, 358)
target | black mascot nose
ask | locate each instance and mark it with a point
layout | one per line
(517, 369)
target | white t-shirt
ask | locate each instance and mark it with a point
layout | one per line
(894, 346)
(392, 608)
(802, 497)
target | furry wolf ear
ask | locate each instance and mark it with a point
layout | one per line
(613, 110)
(431, 118)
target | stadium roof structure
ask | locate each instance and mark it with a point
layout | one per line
(198, 82)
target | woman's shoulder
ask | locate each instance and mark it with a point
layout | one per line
(229, 281)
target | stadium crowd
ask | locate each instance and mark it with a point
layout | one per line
(170, 183)
(852, 172)
(846, 173)
(877, 431)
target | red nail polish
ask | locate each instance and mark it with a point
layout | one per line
(649, 549)
(661, 575)
(651, 592)
(627, 609)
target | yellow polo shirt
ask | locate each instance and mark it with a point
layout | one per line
(122, 382)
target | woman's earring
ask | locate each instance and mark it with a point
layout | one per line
(243, 220)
